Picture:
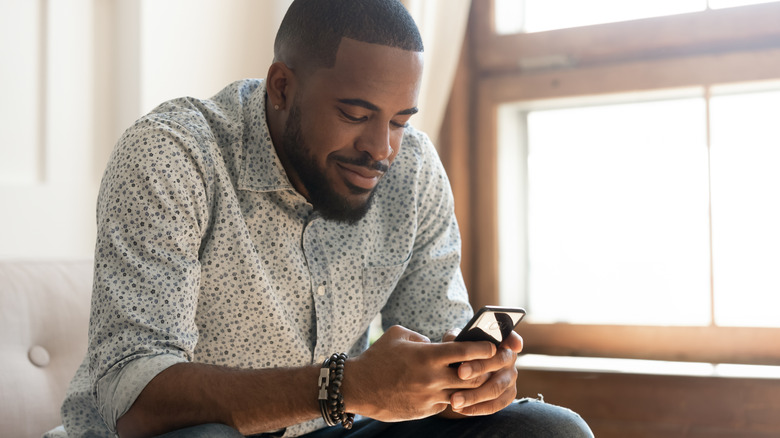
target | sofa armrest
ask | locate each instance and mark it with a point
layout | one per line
(44, 316)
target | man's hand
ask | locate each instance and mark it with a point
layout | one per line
(498, 373)
(403, 376)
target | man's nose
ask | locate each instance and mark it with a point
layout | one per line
(375, 140)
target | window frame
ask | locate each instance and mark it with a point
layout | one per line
(688, 50)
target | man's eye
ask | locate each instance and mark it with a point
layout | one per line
(352, 118)
(399, 125)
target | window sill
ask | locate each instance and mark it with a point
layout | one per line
(650, 367)
(642, 399)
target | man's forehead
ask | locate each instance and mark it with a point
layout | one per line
(351, 50)
(372, 71)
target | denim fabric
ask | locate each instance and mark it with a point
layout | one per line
(211, 430)
(527, 418)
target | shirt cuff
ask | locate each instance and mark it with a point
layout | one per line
(118, 389)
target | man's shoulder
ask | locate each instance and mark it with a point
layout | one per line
(416, 170)
(221, 115)
(417, 150)
(415, 139)
(234, 96)
(419, 156)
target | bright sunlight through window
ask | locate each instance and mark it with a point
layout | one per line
(605, 210)
(513, 16)
(746, 208)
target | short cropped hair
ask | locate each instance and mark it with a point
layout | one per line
(311, 30)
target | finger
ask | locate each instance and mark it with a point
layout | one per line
(513, 342)
(493, 388)
(455, 352)
(489, 407)
(450, 335)
(495, 392)
(504, 358)
(457, 384)
(404, 333)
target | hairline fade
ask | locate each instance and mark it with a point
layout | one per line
(311, 31)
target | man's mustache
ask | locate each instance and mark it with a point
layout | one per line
(365, 161)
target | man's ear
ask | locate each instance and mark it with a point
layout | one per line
(280, 85)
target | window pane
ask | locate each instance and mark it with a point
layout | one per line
(509, 16)
(618, 214)
(746, 208)
(539, 15)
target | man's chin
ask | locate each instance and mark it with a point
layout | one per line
(358, 195)
(349, 208)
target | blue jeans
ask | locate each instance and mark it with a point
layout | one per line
(524, 418)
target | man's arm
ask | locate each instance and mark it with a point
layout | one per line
(251, 401)
(433, 286)
(401, 377)
(430, 296)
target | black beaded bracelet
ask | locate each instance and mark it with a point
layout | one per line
(331, 401)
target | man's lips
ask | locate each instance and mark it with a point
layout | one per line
(359, 176)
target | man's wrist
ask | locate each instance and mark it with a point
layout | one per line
(352, 388)
(331, 400)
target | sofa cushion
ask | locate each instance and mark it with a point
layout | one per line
(44, 315)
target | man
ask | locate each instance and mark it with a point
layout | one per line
(243, 240)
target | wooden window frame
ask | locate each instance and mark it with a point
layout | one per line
(696, 49)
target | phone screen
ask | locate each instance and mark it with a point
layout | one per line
(492, 323)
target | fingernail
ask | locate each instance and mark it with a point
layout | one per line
(464, 372)
(458, 401)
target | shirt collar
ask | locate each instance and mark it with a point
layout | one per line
(261, 170)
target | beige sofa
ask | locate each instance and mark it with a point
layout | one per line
(44, 314)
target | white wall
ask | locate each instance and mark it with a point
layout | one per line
(47, 180)
(218, 45)
(76, 73)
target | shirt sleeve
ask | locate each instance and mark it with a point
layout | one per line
(152, 214)
(431, 297)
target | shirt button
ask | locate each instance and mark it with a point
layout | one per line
(321, 291)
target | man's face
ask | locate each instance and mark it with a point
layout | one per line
(345, 126)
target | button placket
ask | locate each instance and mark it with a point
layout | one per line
(318, 271)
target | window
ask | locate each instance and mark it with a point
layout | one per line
(514, 16)
(631, 170)
(540, 15)
(746, 207)
(618, 215)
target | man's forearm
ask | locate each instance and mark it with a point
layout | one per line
(252, 401)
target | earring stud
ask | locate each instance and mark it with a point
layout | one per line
(276, 107)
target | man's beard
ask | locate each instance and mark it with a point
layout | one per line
(322, 196)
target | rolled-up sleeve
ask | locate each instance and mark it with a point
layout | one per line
(119, 387)
(152, 214)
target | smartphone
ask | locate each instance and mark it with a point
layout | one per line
(492, 323)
